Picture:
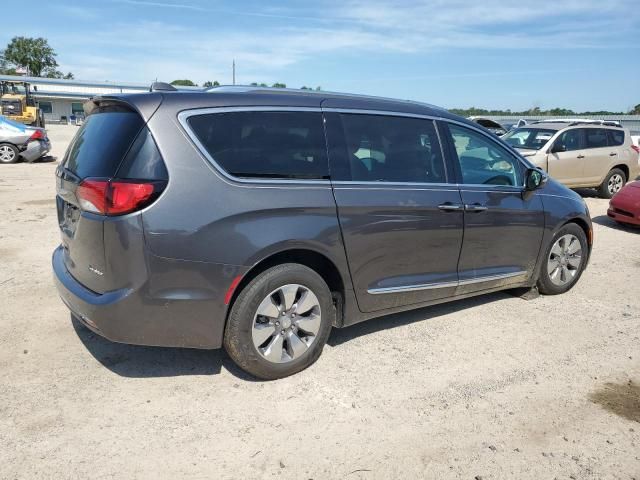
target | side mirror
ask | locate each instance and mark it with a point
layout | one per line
(558, 147)
(534, 178)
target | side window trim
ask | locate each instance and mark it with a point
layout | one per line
(184, 116)
(453, 154)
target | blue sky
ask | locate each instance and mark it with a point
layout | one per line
(579, 54)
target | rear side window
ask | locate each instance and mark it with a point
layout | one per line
(616, 137)
(288, 145)
(392, 149)
(143, 160)
(596, 137)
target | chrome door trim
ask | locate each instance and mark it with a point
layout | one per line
(491, 278)
(431, 286)
(411, 288)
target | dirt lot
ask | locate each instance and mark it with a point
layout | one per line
(493, 387)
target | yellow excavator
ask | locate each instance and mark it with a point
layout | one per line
(17, 103)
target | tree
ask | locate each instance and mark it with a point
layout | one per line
(279, 85)
(58, 74)
(33, 53)
(184, 83)
(209, 84)
(636, 110)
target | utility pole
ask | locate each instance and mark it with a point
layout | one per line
(234, 71)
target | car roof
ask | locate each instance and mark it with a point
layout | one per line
(249, 96)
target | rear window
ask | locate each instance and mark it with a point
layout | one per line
(265, 144)
(101, 143)
(616, 137)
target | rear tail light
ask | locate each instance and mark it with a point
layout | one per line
(116, 197)
(636, 148)
(37, 135)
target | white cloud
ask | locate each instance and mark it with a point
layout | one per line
(147, 50)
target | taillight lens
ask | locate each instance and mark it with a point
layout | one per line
(37, 135)
(116, 197)
(636, 148)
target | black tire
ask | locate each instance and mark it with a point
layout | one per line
(604, 190)
(238, 341)
(545, 285)
(8, 153)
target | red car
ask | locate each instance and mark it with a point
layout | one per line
(624, 207)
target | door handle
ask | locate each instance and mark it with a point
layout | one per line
(450, 207)
(476, 207)
(580, 156)
(613, 154)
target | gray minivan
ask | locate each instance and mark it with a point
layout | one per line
(258, 219)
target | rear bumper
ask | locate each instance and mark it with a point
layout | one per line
(147, 315)
(35, 150)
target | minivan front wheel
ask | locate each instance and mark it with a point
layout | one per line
(280, 322)
(565, 259)
(613, 183)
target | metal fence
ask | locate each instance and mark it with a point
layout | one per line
(632, 122)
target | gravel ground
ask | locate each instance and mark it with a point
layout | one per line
(492, 387)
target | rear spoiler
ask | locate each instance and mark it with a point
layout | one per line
(145, 104)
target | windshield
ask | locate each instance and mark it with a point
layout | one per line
(529, 138)
(13, 88)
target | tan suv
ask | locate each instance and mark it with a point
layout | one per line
(580, 154)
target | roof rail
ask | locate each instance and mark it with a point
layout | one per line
(162, 87)
(606, 123)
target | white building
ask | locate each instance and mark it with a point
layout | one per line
(60, 99)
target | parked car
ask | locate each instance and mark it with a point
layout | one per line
(624, 207)
(20, 141)
(491, 125)
(580, 154)
(258, 219)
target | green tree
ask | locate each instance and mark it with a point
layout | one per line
(209, 84)
(33, 53)
(58, 74)
(184, 83)
(635, 110)
(279, 85)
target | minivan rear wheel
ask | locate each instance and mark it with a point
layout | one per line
(613, 183)
(280, 322)
(565, 259)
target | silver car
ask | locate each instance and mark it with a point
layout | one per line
(22, 141)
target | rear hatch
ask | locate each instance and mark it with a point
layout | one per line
(111, 170)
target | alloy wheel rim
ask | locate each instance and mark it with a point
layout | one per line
(615, 183)
(6, 154)
(565, 260)
(286, 323)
